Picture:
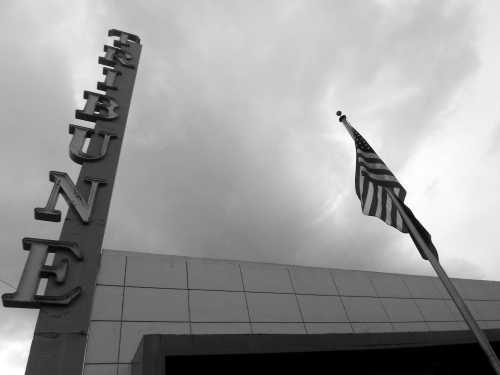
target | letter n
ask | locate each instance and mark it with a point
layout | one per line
(63, 185)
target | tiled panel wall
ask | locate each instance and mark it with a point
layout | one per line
(139, 294)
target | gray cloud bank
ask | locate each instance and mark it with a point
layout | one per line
(225, 153)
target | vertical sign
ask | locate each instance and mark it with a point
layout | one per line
(60, 337)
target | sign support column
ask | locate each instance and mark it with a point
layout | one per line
(60, 338)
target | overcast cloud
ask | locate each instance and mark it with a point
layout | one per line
(233, 149)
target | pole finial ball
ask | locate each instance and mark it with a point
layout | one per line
(339, 113)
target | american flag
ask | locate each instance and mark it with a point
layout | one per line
(373, 180)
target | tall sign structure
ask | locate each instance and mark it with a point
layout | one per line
(60, 337)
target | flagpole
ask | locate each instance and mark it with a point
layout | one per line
(421, 244)
(453, 292)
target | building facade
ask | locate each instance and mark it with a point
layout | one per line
(233, 304)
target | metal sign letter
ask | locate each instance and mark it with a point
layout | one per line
(124, 38)
(109, 82)
(63, 185)
(35, 269)
(80, 133)
(116, 55)
(98, 107)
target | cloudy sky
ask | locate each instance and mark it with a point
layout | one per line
(233, 149)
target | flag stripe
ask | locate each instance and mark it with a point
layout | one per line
(369, 199)
(399, 221)
(388, 204)
(373, 206)
(378, 212)
(357, 182)
(367, 154)
(377, 176)
(364, 190)
(373, 165)
(384, 204)
(378, 172)
(364, 187)
(393, 215)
